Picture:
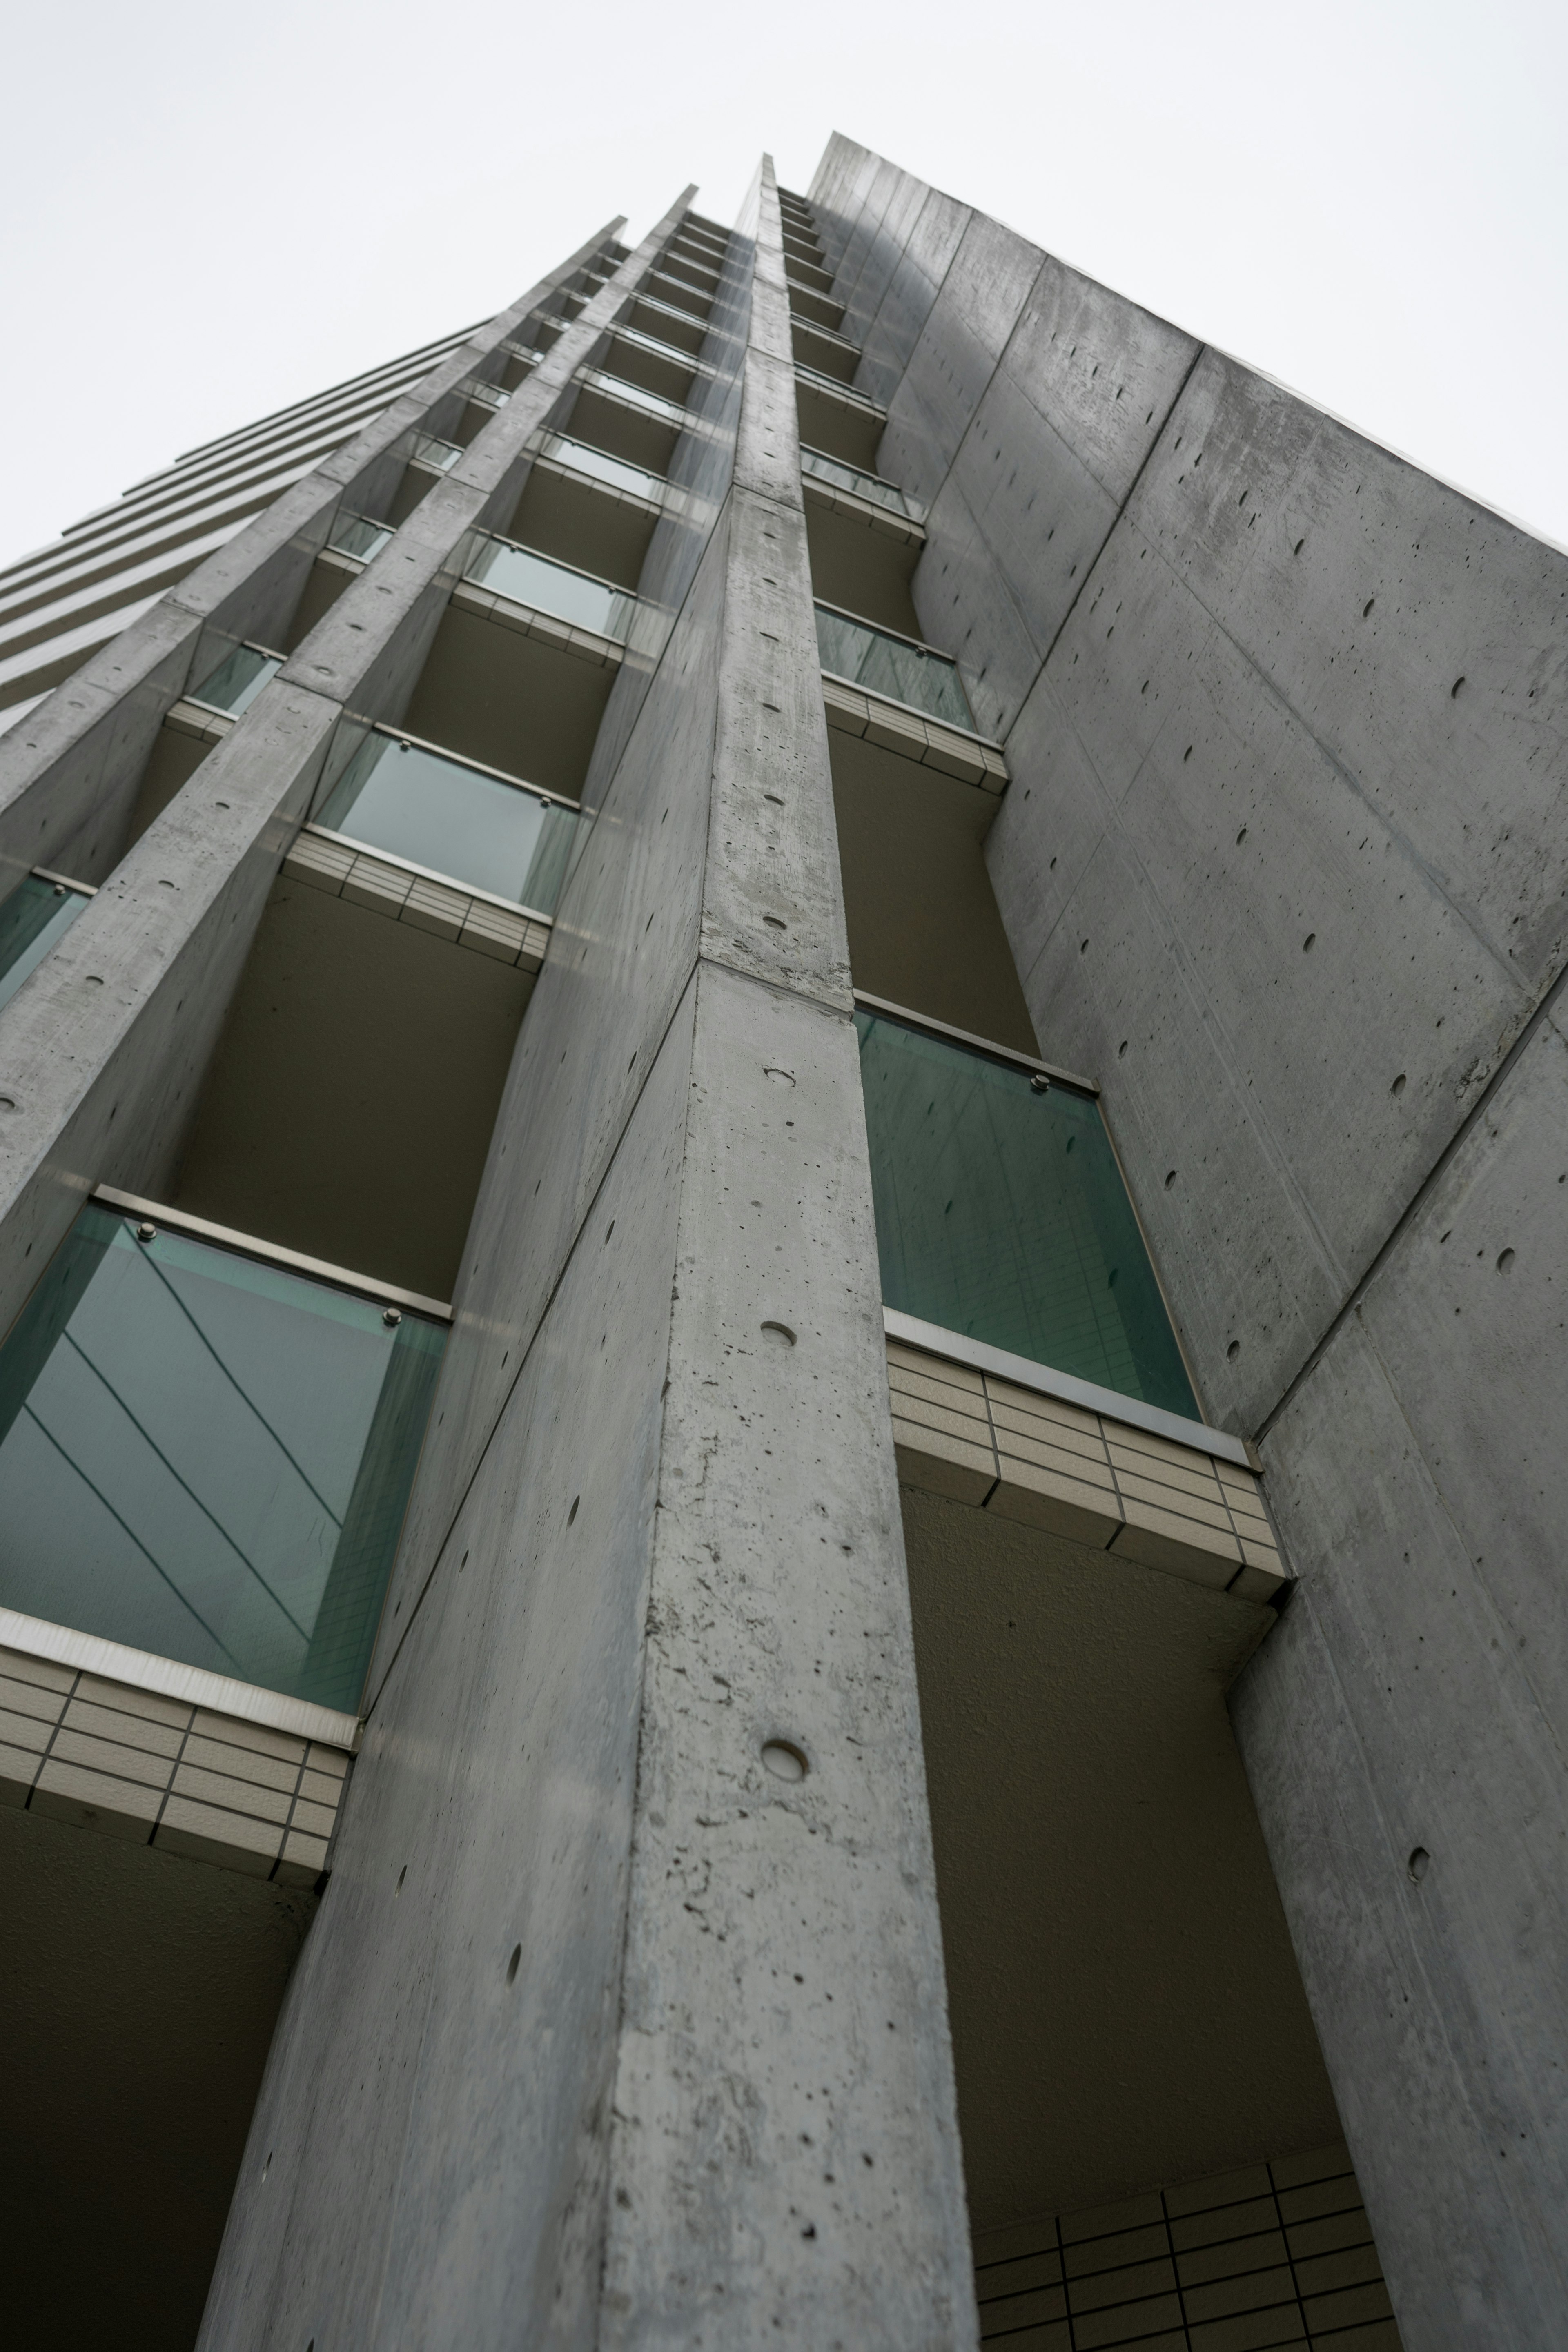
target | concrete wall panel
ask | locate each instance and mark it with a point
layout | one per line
(1355, 1056)
(1411, 1790)
(1364, 591)
(985, 290)
(426, 2164)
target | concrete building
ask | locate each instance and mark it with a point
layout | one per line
(782, 1205)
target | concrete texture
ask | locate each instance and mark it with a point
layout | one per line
(631, 1487)
(1281, 867)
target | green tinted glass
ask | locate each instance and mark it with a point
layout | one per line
(357, 535)
(453, 820)
(535, 579)
(236, 682)
(208, 1457)
(35, 914)
(891, 666)
(1001, 1213)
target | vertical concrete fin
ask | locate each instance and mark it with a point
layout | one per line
(784, 2160)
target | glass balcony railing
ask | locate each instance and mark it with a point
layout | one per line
(851, 477)
(1001, 1214)
(442, 454)
(453, 820)
(583, 459)
(601, 380)
(835, 385)
(206, 1455)
(237, 679)
(354, 534)
(670, 351)
(897, 666)
(489, 395)
(39, 911)
(549, 587)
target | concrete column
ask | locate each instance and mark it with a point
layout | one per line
(545, 2073)
(785, 2161)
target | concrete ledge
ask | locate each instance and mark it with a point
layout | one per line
(527, 621)
(652, 508)
(407, 894)
(1044, 1462)
(886, 520)
(114, 1756)
(853, 711)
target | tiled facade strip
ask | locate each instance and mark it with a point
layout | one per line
(388, 886)
(1277, 2254)
(127, 1762)
(896, 727)
(1043, 1463)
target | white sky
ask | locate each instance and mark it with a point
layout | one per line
(211, 212)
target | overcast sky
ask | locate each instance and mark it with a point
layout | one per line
(212, 212)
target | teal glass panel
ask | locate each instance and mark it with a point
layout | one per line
(670, 351)
(891, 666)
(556, 588)
(34, 916)
(208, 1457)
(850, 478)
(357, 535)
(454, 820)
(603, 469)
(442, 454)
(1001, 1213)
(636, 395)
(238, 680)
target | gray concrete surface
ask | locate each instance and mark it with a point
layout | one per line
(1281, 868)
(506, 2087)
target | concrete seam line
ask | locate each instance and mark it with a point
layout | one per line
(1119, 516)
(589, 1212)
(1347, 776)
(1352, 1303)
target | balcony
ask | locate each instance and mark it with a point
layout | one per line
(207, 1448)
(600, 466)
(1002, 1215)
(238, 679)
(454, 820)
(424, 450)
(40, 910)
(357, 535)
(528, 578)
(841, 475)
(899, 668)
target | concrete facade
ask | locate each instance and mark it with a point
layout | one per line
(839, 1811)
(1285, 719)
